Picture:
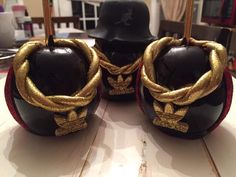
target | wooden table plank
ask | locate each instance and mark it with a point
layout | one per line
(222, 142)
(26, 154)
(127, 144)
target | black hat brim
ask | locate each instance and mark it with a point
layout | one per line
(119, 35)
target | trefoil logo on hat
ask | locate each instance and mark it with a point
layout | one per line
(126, 18)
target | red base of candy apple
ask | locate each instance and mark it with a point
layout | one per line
(9, 99)
(229, 96)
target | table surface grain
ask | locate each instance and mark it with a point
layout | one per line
(119, 142)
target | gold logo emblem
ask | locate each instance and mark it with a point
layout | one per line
(169, 118)
(74, 122)
(120, 85)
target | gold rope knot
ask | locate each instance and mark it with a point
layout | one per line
(56, 103)
(205, 85)
(116, 70)
(121, 85)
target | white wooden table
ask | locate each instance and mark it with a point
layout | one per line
(120, 141)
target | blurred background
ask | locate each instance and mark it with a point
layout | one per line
(88, 10)
(213, 19)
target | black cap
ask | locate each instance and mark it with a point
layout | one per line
(123, 20)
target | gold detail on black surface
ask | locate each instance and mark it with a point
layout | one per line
(186, 95)
(118, 71)
(120, 85)
(56, 103)
(169, 118)
(74, 122)
(113, 69)
(206, 84)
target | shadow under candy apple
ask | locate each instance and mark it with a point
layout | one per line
(33, 155)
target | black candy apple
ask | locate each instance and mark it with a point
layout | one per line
(122, 35)
(177, 67)
(120, 86)
(56, 70)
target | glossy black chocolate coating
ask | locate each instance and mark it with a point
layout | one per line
(61, 71)
(179, 66)
(120, 54)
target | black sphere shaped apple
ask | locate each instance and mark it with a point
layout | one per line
(177, 91)
(119, 76)
(45, 90)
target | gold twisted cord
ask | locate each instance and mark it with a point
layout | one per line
(206, 84)
(113, 69)
(56, 103)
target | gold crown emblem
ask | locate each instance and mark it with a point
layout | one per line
(169, 118)
(121, 85)
(72, 123)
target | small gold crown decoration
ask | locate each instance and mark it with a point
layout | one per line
(169, 118)
(72, 123)
(120, 85)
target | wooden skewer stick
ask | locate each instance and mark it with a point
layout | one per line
(47, 19)
(188, 20)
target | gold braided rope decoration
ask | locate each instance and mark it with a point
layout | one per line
(167, 116)
(113, 69)
(56, 103)
(206, 84)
